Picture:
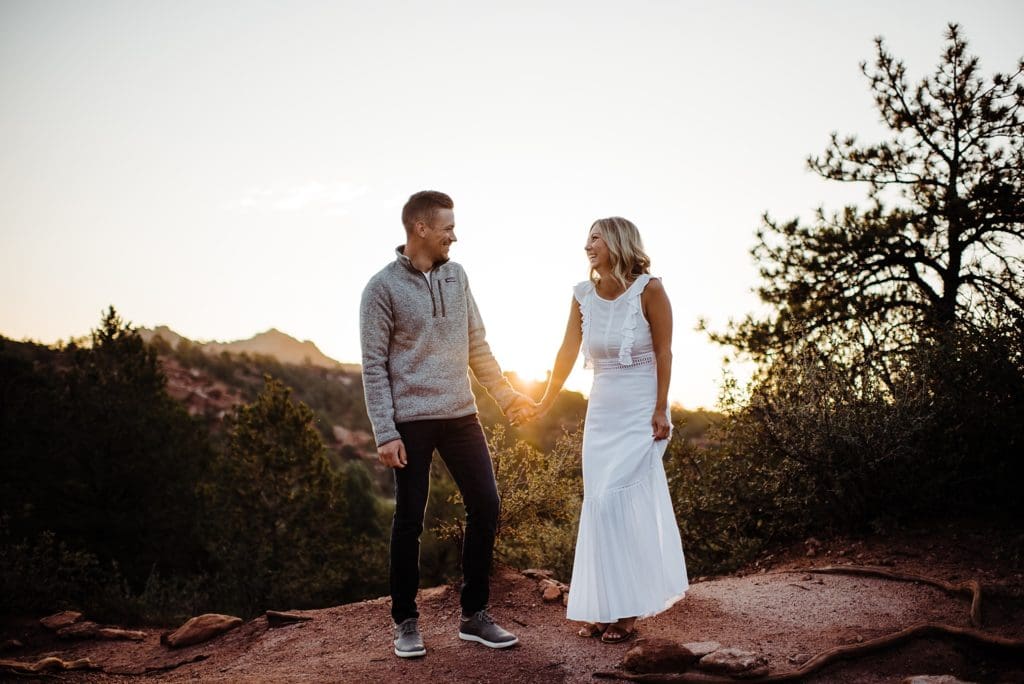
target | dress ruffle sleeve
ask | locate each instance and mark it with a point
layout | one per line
(629, 323)
(584, 292)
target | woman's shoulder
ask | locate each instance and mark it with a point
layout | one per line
(652, 290)
(582, 288)
(643, 283)
(650, 282)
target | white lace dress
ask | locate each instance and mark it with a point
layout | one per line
(629, 559)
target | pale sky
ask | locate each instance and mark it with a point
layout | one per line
(228, 167)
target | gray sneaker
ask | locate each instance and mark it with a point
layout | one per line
(481, 628)
(408, 642)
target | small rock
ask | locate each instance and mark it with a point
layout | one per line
(276, 618)
(433, 592)
(702, 648)
(59, 620)
(806, 578)
(565, 599)
(849, 637)
(734, 662)
(118, 634)
(934, 679)
(49, 664)
(552, 590)
(551, 593)
(200, 628)
(799, 658)
(79, 630)
(90, 630)
(658, 655)
(11, 645)
(534, 573)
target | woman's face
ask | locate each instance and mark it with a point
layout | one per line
(597, 250)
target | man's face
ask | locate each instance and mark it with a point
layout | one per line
(440, 234)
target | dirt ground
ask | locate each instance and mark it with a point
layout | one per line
(772, 607)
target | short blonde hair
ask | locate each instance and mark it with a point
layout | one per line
(625, 248)
(423, 206)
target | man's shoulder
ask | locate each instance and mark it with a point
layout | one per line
(380, 285)
(381, 277)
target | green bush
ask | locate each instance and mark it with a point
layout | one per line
(818, 447)
(283, 529)
(972, 448)
(45, 575)
(541, 494)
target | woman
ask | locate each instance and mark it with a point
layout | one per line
(629, 560)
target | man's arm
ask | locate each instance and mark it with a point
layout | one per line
(376, 320)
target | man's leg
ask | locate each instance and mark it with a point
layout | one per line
(412, 484)
(464, 449)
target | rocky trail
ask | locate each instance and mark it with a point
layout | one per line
(773, 618)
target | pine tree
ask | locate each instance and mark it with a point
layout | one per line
(284, 529)
(941, 242)
(123, 472)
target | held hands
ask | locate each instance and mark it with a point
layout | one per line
(660, 425)
(392, 454)
(522, 410)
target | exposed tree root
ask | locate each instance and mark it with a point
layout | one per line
(971, 587)
(920, 630)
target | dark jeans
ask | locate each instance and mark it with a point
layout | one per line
(461, 443)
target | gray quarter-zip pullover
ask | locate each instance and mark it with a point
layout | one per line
(420, 337)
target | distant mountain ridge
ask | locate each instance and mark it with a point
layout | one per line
(273, 342)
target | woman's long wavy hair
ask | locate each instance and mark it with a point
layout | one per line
(625, 248)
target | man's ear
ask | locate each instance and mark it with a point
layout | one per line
(419, 228)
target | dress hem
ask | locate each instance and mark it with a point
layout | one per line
(671, 601)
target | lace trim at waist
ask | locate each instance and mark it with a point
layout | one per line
(645, 359)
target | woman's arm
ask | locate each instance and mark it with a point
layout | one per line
(658, 311)
(566, 357)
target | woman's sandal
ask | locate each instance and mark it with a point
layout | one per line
(614, 634)
(591, 629)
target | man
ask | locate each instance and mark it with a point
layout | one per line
(420, 332)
